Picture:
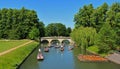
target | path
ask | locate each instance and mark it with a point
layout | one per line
(12, 49)
(115, 57)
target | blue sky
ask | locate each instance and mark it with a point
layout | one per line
(52, 11)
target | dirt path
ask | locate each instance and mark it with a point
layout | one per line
(12, 49)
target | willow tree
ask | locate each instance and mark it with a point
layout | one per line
(84, 36)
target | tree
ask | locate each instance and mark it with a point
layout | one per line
(84, 36)
(68, 31)
(117, 28)
(98, 17)
(17, 23)
(55, 29)
(106, 39)
(83, 17)
(113, 16)
(34, 33)
(41, 29)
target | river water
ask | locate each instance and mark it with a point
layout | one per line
(55, 59)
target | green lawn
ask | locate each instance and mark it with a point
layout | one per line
(94, 49)
(8, 44)
(9, 61)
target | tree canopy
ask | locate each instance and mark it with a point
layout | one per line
(18, 23)
(105, 20)
(84, 36)
(57, 29)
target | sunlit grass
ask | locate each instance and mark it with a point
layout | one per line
(8, 44)
(95, 50)
(10, 60)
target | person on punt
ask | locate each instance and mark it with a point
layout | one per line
(39, 50)
(61, 46)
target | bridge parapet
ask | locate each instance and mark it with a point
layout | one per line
(55, 37)
(60, 39)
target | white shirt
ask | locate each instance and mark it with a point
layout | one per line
(39, 50)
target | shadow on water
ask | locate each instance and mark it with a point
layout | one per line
(55, 59)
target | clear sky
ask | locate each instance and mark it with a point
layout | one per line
(52, 11)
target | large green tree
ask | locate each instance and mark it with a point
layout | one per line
(56, 29)
(68, 31)
(98, 17)
(83, 17)
(34, 33)
(17, 23)
(106, 39)
(84, 36)
(113, 18)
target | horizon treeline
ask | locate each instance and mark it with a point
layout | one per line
(24, 24)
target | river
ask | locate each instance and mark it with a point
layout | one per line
(55, 59)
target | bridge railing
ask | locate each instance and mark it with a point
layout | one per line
(60, 37)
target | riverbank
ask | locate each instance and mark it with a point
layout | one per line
(114, 57)
(95, 50)
(14, 58)
(91, 58)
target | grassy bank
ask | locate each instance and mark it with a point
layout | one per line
(10, 60)
(95, 50)
(8, 44)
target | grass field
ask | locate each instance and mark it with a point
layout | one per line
(10, 60)
(8, 44)
(94, 49)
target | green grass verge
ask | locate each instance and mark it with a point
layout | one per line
(9, 61)
(95, 50)
(8, 44)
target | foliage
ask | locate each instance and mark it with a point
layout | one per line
(83, 17)
(90, 17)
(68, 31)
(113, 18)
(106, 39)
(98, 16)
(84, 36)
(41, 29)
(17, 23)
(106, 20)
(34, 33)
(56, 29)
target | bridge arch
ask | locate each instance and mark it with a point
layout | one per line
(60, 39)
(66, 41)
(44, 41)
(55, 41)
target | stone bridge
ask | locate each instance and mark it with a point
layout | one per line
(60, 39)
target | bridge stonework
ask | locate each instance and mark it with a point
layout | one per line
(60, 39)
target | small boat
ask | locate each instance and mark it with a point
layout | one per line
(62, 48)
(46, 49)
(70, 48)
(57, 46)
(40, 56)
(50, 46)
